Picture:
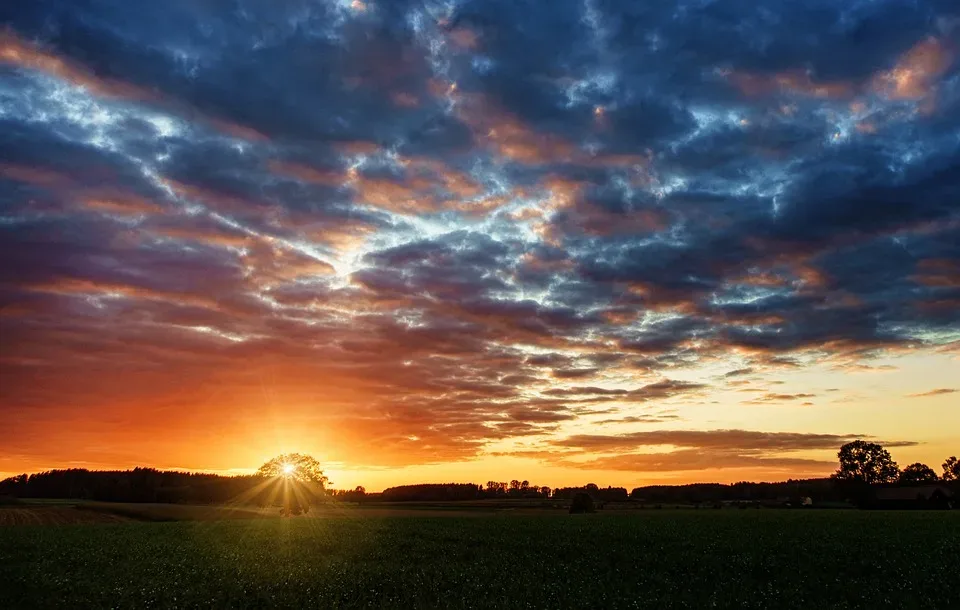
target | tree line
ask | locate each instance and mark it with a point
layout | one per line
(150, 485)
(865, 463)
(862, 466)
(137, 485)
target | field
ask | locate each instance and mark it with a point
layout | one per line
(360, 558)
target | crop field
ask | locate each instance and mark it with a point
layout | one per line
(54, 515)
(656, 559)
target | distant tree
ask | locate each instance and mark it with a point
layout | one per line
(496, 488)
(581, 503)
(865, 463)
(358, 495)
(951, 469)
(545, 491)
(430, 492)
(295, 467)
(918, 473)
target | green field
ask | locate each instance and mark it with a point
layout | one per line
(656, 559)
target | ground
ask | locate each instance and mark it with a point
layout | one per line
(429, 558)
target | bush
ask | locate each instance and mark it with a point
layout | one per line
(582, 503)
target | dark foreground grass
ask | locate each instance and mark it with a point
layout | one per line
(662, 559)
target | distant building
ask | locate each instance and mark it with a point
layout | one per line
(930, 497)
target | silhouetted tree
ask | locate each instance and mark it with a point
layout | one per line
(301, 477)
(358, 494)
(951, 469)
(918, 473)
(582, 503)
(863, 465)
(867, 463)
(605, 494)
(295, 467)
(431, 492)
(496, 488)
(138, 485)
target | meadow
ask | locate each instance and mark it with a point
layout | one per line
(663, 559)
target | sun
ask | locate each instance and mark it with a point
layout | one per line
(287, 469)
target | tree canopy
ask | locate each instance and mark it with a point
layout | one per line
(951, 469)
(865, 462)
(918, 473)
(295, 467)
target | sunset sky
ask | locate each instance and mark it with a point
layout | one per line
(566, 241)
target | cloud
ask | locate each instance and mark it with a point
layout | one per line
(713, 439)
(457, 226)
(703, 450)
(639, 419)
(695, 459)
(936, 392)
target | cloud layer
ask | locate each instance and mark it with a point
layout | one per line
(440, 226)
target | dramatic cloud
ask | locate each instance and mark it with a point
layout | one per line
(446, 228)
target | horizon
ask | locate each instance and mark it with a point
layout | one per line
(335, 487)
(464, 240)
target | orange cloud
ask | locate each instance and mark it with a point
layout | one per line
(412, 196)
(127, 206)
(358, 147)
(306, 173)
(18, 52)
(794, 82)
(404, 99)
(74, 286)
(938, 272)
(463, 38)
(508, 136)
(916, 72)
(269, 263)
(181, 229)
(36, 176)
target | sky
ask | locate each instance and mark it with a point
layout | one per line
(577, 241)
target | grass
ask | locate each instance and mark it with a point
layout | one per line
(743, 559)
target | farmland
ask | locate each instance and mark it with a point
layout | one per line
(755, 559)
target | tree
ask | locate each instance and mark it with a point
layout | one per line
(301, 477)
(581, 503)
(918, 473)
(866, 463)
(951, 469)
(295, 467)
(358, 495)
(496, 488)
